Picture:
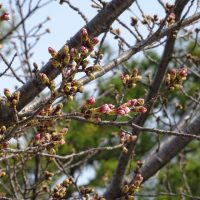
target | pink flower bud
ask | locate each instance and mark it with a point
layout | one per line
(142, 109)
(132, 102)
(91, 101)
(84, 50)
(52, 51)
(84, 32)
(123, 110)
(139, 177)
(122, 134)
(95, 40)
(173, 72)
(172, 16)
(120, 111)
(105, 109)
(5, 16)
(183, 72)
(111, 106)
(7, 93)
(37, 136)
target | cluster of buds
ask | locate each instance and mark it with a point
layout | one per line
(85, 191)
(97, 197)
(46, 126)
(147, 19)
(88, 193)
(168, 7)
(134, 105)
(54, 139)
(5, 16)
(71, 61)
(129, 190)
(96, 55)
(71, 88)
(46, 132)
(50, 84)
(48, 175)
(116, 32)
(192, 58)
(130, 80)
(73, 58)
(171, 19)
(174, 79)
(89, 71)
(60, 190)
(12, 99)
(125, 137)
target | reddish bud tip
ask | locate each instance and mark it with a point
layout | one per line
(173, 72)
(91, 101)
(5, 16)
(142, 109)
(95, 40)
(37, 136)
(83, 50)
(84, 32)
(105, 109)
(183, 72)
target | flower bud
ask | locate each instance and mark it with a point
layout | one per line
(132, 102)
(65, 49)
(70, 97)
(52, 52)
(55, 63)
(37, 136)
(83, 50)
(173, 72)
(7, 93)
(44, 78)
(183, 72)
(5, 17)
(84, 33)
(141, 109)
(140, 101)
(81, 89)
(91, 101)
(132, 138)
(105, 109)
(91, 76)
(125, 189)
(97, 68)
(134, 21)
(95, 41)
(52, 86)
(16, 95)
(66, 59)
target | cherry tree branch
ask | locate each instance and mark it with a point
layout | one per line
(114, 189)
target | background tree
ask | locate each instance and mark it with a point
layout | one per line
(125, 128)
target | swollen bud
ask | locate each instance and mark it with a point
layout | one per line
(7, 92)
(5, 17)
(52, 52)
